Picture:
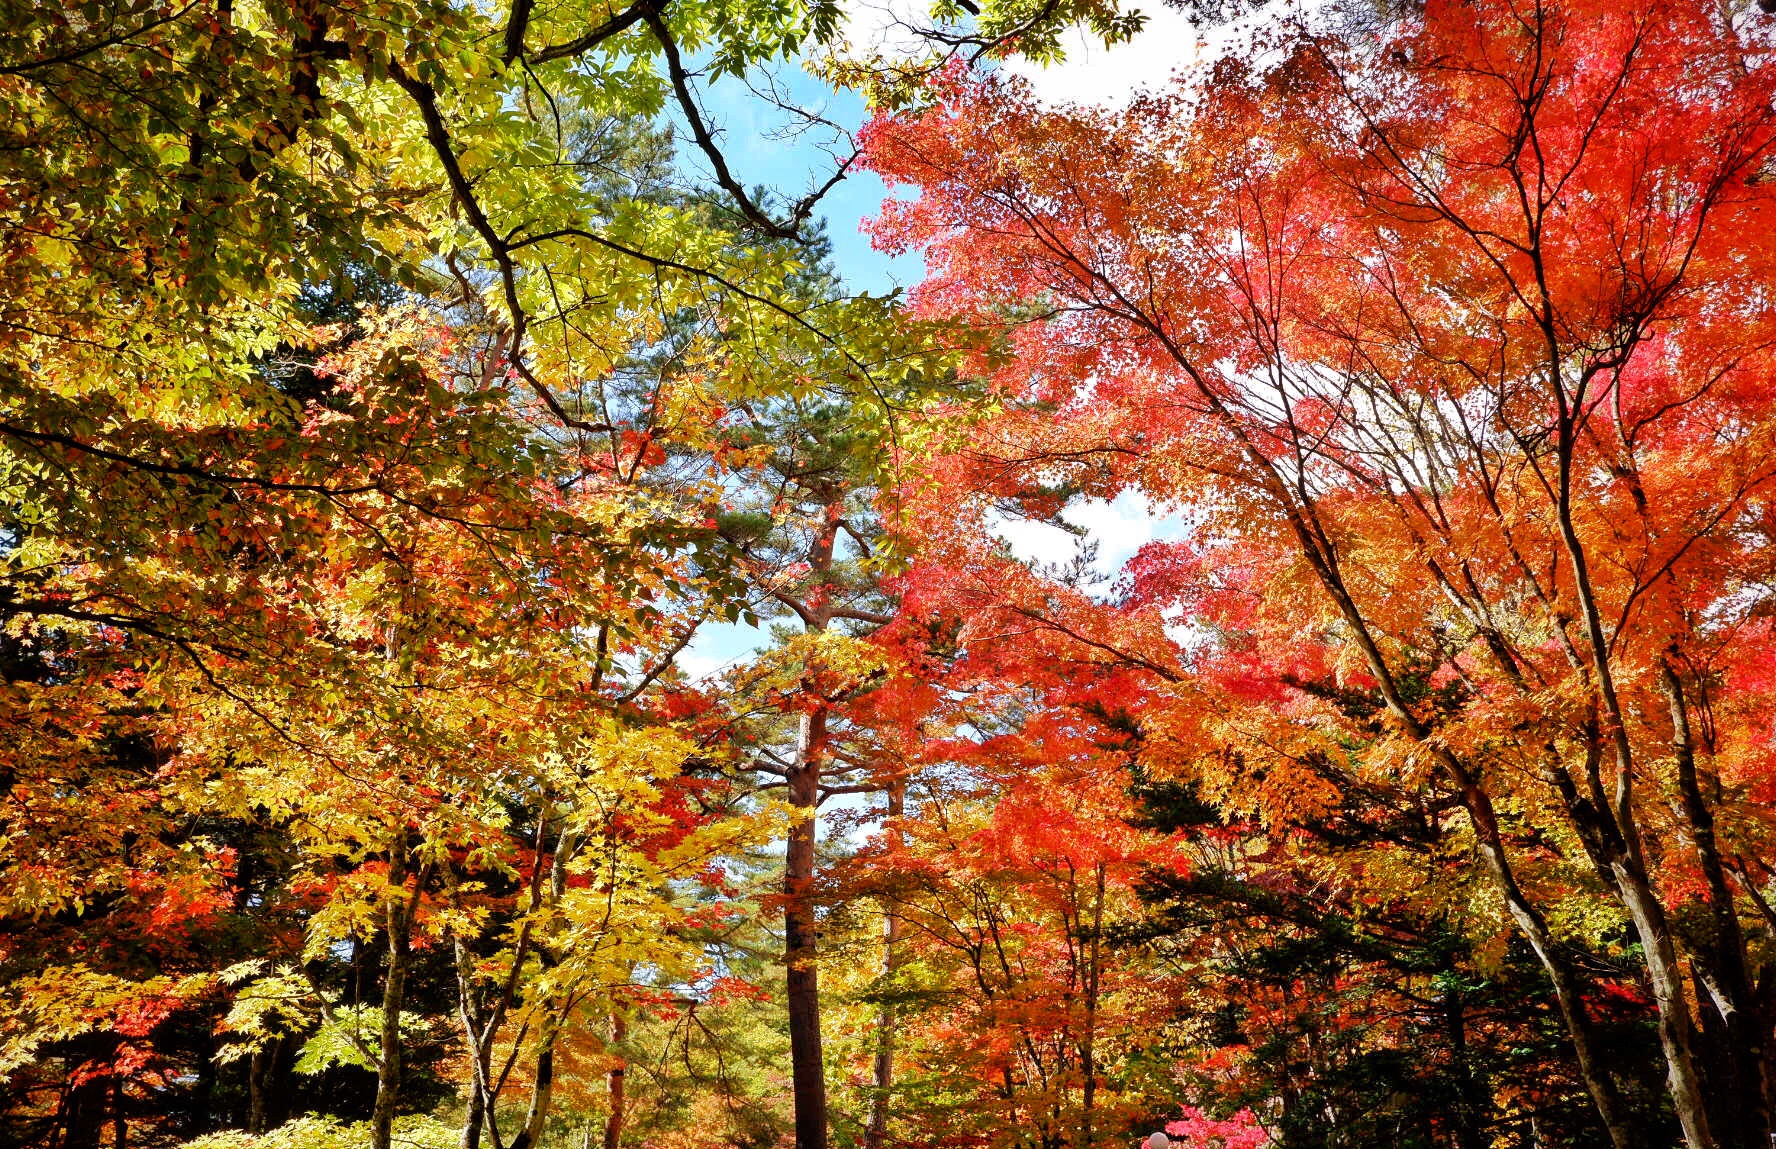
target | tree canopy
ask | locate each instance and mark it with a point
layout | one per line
(395, 395)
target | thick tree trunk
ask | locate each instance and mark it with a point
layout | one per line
(800, 936)
(875, 1134)
(1675, 1029)
(83, 1110)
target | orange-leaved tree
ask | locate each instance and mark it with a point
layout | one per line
(1456, 344)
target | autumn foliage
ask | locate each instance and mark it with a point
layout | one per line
(1453, 346)
(381, 442)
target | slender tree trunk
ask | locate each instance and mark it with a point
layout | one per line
(1477, 803)
(258, 1064)
(483, 1014)
(800, 935)
(1724, 975)
(542, 1091)
(1088, 1047)
(1568, 992)
(475, 1117)
(1470, 1098)
(613, 1126)
(401, 911)
(876, 1133)
(1629, 869)
(480, 1050)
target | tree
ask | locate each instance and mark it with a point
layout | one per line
(1476, 394)
(805, 530)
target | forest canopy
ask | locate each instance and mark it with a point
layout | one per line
(399, 400)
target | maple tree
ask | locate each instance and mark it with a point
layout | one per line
(1470, 409)
(361, 636)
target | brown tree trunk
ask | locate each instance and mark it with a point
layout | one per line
(258, 1066)
(402, 908)
(83, 1115)
(542, 1092)
(800, 936)
(1088, 1047)
(800, 926)
(483, 1014)
(1470, 1098)
(876, 1132)
(613, 1126)
(1725, 976)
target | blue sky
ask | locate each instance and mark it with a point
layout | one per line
(759, 151)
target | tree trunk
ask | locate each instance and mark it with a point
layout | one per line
(1477, 803)
(1660, 955)
(1629, 869)
(483, 1014)
(1088, 1047)
(800, 936)
(1470, 1098)
(83, 1114)
(1568, 993)
(613, 1127)
(876, 1133)
(402, 908)
(1745, 1119)
(258, 1065)
(479, 1047)
(543, 1090)
(474, 1118)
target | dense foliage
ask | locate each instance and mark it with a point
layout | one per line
(394, 394)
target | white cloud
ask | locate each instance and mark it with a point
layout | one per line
(1124, 525)
(884, 26)
(1120, 527)
(1094, 74)
(1090, 73)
